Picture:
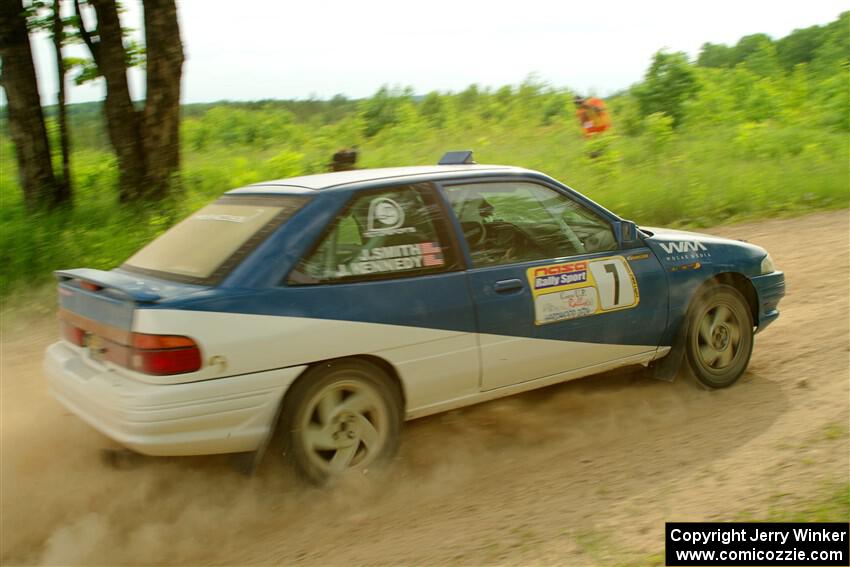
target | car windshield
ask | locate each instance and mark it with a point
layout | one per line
(210, 242)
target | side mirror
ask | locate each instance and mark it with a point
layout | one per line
(628, 232)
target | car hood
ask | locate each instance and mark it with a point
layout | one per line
(679, 247)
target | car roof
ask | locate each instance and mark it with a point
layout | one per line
(412, 174)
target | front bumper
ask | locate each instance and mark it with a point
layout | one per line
(770, 288)
(224, 415)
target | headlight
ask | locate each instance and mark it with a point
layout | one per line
(767, 265)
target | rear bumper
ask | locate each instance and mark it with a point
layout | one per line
(770, 289)
(224, 415)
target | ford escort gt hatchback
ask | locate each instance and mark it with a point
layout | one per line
(311, 316)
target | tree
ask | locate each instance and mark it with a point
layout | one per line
(833, 54)
(433, 110)
(669, 82)
(799, 46)
(748, 45)
(146, 141)
(714, 55)
(46, 16)
(58, 26)
(26, 119)
(382, 110)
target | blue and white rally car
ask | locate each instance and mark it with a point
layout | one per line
(330, 308)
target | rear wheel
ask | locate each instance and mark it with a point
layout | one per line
(720, 336)
(341, 416)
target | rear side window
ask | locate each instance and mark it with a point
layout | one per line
(382, 234)
(209, 243)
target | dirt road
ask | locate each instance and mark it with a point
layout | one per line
(583, 473)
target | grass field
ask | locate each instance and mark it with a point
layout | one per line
(693, 180)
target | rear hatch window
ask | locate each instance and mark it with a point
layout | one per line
(208, 244)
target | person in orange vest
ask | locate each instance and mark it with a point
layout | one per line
(592, 115)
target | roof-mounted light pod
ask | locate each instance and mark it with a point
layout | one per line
(457, 158)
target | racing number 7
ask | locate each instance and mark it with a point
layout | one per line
(612, 269)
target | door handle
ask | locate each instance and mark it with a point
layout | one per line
(506, 286)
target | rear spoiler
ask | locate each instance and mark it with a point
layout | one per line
(137, 290)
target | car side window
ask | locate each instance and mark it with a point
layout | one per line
(517, 221)
(382, 234)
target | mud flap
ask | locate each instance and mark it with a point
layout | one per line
(249, 463)
(667, 367)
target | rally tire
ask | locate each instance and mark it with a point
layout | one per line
(340, 416)
(719, 339)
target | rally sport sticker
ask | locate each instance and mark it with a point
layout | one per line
(578, 289)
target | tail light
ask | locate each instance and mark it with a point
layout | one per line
(72, 334)
(158, 355)
(164, 355)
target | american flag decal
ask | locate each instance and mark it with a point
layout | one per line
(431, 254)
(429, 248)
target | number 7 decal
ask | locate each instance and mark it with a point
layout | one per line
(582, 288)
(612, 269)
(615, 283)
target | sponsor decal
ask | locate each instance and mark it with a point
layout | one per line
(560, 275)
(694, 266)
(579, 289)
(563, 305)
(684, 246)
(383, 259)
(684, 250)
(385, 217)
(635, 257)
(228, 218)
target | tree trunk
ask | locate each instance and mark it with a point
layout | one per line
(162, 104)
(146, 143)
(26, 120)
(123, 122)
(64, 194)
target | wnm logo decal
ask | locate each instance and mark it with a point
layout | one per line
(680, 247)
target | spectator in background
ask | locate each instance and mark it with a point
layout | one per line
(592, 115)
(344, 159)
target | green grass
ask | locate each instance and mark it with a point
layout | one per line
(831, 505)
(694, 178)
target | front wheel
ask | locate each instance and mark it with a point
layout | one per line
(720, 336)
(340, 416)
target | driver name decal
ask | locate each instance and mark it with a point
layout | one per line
(399, 258)
(571, 290)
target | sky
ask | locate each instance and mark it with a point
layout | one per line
(272, 49)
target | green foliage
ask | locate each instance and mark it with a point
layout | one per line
(667, 86)
(798, 47)
(714, 55)
(757, 129)
(433, 110)
(285, 164)
(658, 132)
(748, 46)
(823, 48)
(383, 109)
